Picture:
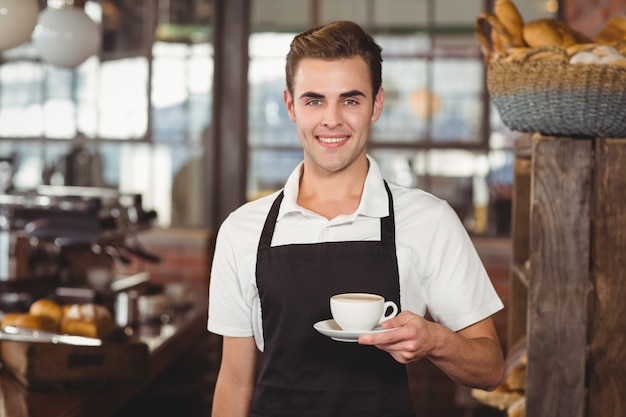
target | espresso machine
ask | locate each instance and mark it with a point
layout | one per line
(51, 238)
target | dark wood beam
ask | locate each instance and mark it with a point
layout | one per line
(227, 152)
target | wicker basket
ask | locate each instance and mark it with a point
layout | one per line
(553, 97)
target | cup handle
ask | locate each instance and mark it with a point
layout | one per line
(392, 314)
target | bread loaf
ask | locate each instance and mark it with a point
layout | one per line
(25, 320)
(579, 47)
(512, 20)
(517, 409)
(517, 54)
(91, 320)
(497, 43)
(488, 24)
(48, 311)
(516, 378)
(551, 32)
(500, 398)
(613, 31)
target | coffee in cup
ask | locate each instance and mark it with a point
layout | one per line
(360, 311)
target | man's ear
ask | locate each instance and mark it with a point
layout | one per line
(289, 104)
(378, 104)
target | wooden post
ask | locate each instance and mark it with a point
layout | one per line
(607, 351)
(559, 285)
(229, 127)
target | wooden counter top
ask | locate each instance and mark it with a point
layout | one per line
(166, 343)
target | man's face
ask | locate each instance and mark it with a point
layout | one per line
(333, 106)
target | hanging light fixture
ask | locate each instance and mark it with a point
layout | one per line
(17, 21)
(65, 35)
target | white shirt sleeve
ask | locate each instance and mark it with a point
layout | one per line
(458, 290)
(229, 311)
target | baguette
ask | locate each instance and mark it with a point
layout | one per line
(512, 20)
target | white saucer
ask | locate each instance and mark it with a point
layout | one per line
(331, 329)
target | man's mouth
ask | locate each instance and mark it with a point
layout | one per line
(332, 140)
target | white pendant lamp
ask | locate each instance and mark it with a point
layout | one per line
(17, 21)
(65, 36)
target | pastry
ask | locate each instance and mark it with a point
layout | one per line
(49, 311)
(90, 320)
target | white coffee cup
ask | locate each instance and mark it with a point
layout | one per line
(360, 311)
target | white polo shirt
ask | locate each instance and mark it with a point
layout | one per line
(440, 271)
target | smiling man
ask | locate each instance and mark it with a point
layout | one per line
(337, 226)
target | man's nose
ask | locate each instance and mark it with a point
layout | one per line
(332, 116)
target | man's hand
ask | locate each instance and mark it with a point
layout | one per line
(409, 341)
(472, 356)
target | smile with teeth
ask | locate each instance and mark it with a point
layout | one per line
(332, 140)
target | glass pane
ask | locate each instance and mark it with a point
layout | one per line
(457, 101)
(87, 99)
(269, 123)
(181, 91)
(268, 170)
(404, 76)
(28, 164)
(123, 98)
(60, 120)
(404, 116)
(200, 77)
(21, 96)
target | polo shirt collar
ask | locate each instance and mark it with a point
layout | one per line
(373, 201)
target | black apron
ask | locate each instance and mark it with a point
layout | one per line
(304, 373)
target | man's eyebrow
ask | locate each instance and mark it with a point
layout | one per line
(311, 94)
(351, 93)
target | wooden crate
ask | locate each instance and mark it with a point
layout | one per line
(45, 364)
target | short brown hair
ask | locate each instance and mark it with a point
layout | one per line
(336, 40)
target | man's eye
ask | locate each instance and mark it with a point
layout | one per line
(313, 102)
(351, 102)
